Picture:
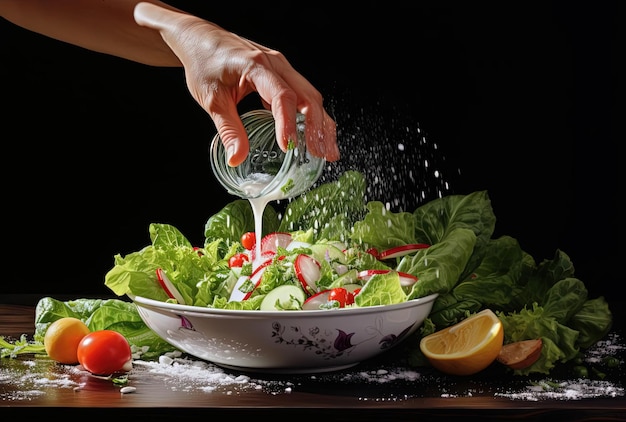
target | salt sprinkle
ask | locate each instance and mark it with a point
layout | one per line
(186, 374)
(566, 390)
(183, 373)
(31, 380)
(400, 164)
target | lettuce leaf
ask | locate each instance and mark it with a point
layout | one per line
(102, 314)
(235, 219)
(382, 229)
(330, 209)
(439, 267)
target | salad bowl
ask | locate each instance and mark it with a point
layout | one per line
(290, 342)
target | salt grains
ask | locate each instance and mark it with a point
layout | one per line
(181, 373)
(403, 168)
(28, 376)
(566, 390)
(185, 374)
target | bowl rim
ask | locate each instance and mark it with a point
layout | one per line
(316, 313)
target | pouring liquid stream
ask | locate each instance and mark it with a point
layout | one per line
(258, 203)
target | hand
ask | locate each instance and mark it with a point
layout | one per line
(222, 68)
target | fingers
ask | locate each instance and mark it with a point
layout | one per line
(222, 68)
(233, 136)
(321, 133)
(152, 16)
(295, 94)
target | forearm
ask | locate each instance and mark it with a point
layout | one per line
(105, 26)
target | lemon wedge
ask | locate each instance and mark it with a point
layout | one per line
(466, 347)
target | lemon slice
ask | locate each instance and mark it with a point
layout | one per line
(467, 347)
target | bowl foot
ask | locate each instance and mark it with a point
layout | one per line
(288, 371)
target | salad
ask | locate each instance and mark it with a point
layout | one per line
(330, 238)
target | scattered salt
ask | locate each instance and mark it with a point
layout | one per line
(566, 390)
(181, 373)
(610, 346)
(189, 374)
(401, 165)
(28, 376)
(186, 374)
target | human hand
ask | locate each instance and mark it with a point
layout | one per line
(222, 68)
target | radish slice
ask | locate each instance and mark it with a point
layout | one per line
(168, 286)
(318, 300)
(297, 244)
(308, 272)
(264, 255)
(315, 302)
(272, 241)
(255, 278)
(405, 278)
(270, 244)
(401, 250)
(237, 295)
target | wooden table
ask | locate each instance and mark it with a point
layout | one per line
(322, 397)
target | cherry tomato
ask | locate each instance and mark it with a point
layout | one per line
(248, 240)
(238, 260)
(341, 295)
(351, 296)
(104, 352)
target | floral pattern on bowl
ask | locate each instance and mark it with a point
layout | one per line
(322, 343)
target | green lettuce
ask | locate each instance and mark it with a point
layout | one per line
(102, 314)
(468, 269)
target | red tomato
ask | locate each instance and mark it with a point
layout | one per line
(341, 295)
(248, 240)
(105, 352)
(351, 296)
(238, 260)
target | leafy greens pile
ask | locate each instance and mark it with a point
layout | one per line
(465, 265)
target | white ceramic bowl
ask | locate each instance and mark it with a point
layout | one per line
(284, 341)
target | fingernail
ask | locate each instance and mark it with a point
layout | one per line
(230, 151)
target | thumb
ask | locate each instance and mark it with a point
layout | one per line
(234, 137)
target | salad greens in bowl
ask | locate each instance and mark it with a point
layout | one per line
(335, 271)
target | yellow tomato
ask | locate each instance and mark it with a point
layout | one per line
(62, 338)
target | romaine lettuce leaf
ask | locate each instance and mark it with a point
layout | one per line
(381, 289)
(383, 229)
(593, 321)
(439, 267)
(435, 219)
(330, 209)
(237, 218)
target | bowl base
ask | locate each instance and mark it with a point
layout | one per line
(289, 371)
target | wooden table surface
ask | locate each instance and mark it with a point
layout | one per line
(328, 396)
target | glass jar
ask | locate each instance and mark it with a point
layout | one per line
(267, 172)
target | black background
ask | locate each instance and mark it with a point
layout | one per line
(516, 98)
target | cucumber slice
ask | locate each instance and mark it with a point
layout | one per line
(328, 252)
(349, 277)
(285, 297)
